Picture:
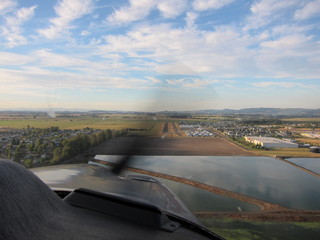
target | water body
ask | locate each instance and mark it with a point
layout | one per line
(260, 177)
(198, 200)
(312, 164)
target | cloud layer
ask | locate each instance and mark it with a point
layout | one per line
(73, 48)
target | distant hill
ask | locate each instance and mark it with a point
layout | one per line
(266, 111)
(276, 112)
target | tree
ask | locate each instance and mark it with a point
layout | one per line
(28, 163)
(9, 151)
(108, 133)
(31, 147)
(17, 154)
(56, 155)
(54, 129)
(39, 148)
(66, 153)
(38, 143)
(93, 140)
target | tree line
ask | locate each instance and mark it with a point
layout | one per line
(82, 143)
(54, 153)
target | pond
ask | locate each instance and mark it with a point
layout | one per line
(198, 200)
(261, 177)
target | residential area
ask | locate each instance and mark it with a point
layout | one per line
(255, 134)
(37, 146)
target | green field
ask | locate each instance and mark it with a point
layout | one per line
(137, 125)
(301, 119)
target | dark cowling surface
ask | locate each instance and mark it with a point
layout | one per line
(26, 203)
(29, 209)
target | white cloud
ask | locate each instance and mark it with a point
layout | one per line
(294, 42)
(24, 14)
(195, 82)
(81, 63)
(283, 84)
(289, 29)
(49, 59)
(312, 9)
(140, 9)
(153, 80)
(168, 11)
(67, 11)
(226, 51)
(268, 7)
(7, 6)
(136, 10)
(190, 19)
(39, 79)
(85, 33)
(14, 59)
(290, 56)
(266, 11)
(12, 31)
(202, 5)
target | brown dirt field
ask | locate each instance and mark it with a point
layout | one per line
(171, 147)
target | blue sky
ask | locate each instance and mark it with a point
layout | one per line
(159, 54)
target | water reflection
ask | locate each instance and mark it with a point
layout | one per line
(312, 164)
(198, 200)
(260, 177)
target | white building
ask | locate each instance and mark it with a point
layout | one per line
(311, 134)
(270, 142)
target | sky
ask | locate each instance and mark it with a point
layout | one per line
(152, 55)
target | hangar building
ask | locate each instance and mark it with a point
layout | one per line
(270, 142)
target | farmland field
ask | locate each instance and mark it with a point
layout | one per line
(116, 123)
(136, 124)
(311, 141)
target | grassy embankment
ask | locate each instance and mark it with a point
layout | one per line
(287, 152)
(242, 230)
